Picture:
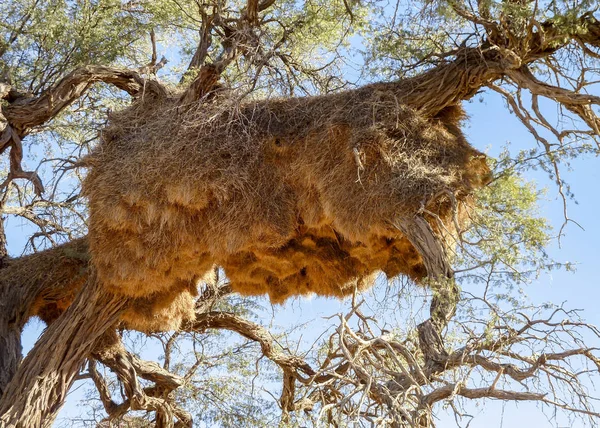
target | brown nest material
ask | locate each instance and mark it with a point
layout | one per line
(290, 197)
(47, 282)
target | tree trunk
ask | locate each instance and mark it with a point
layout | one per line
(37, 284)
(39, 388)
(10, 351)
(16, 301)
(445, 291)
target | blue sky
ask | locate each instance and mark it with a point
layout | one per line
(489, 128)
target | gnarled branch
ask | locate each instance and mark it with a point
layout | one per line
(28, 112)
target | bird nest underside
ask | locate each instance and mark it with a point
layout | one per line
(289, 197)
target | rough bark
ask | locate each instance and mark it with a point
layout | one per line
(37, 284)
(445, 291)
(39, 388)
(10, 331)
(11, 351)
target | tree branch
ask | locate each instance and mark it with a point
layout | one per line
(26, 113)
(252, 331)
(111, 352)
(291, 365)
(475, 393)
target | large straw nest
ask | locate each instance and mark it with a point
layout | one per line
(289, 197)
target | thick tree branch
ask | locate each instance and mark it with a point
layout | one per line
(111, 352)
(475, 393)
(42, 382)
(103, 391)
(236, 36)
(252, 331)
(578, 103)
(453, 81)
(42, 284)
(26, 113)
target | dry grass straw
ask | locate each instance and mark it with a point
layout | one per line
(47, 282)
(290, 197)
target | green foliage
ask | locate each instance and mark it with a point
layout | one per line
(513, 230)
(508, 235)
(53, 37)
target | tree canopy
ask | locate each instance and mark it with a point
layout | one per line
(68, 67)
